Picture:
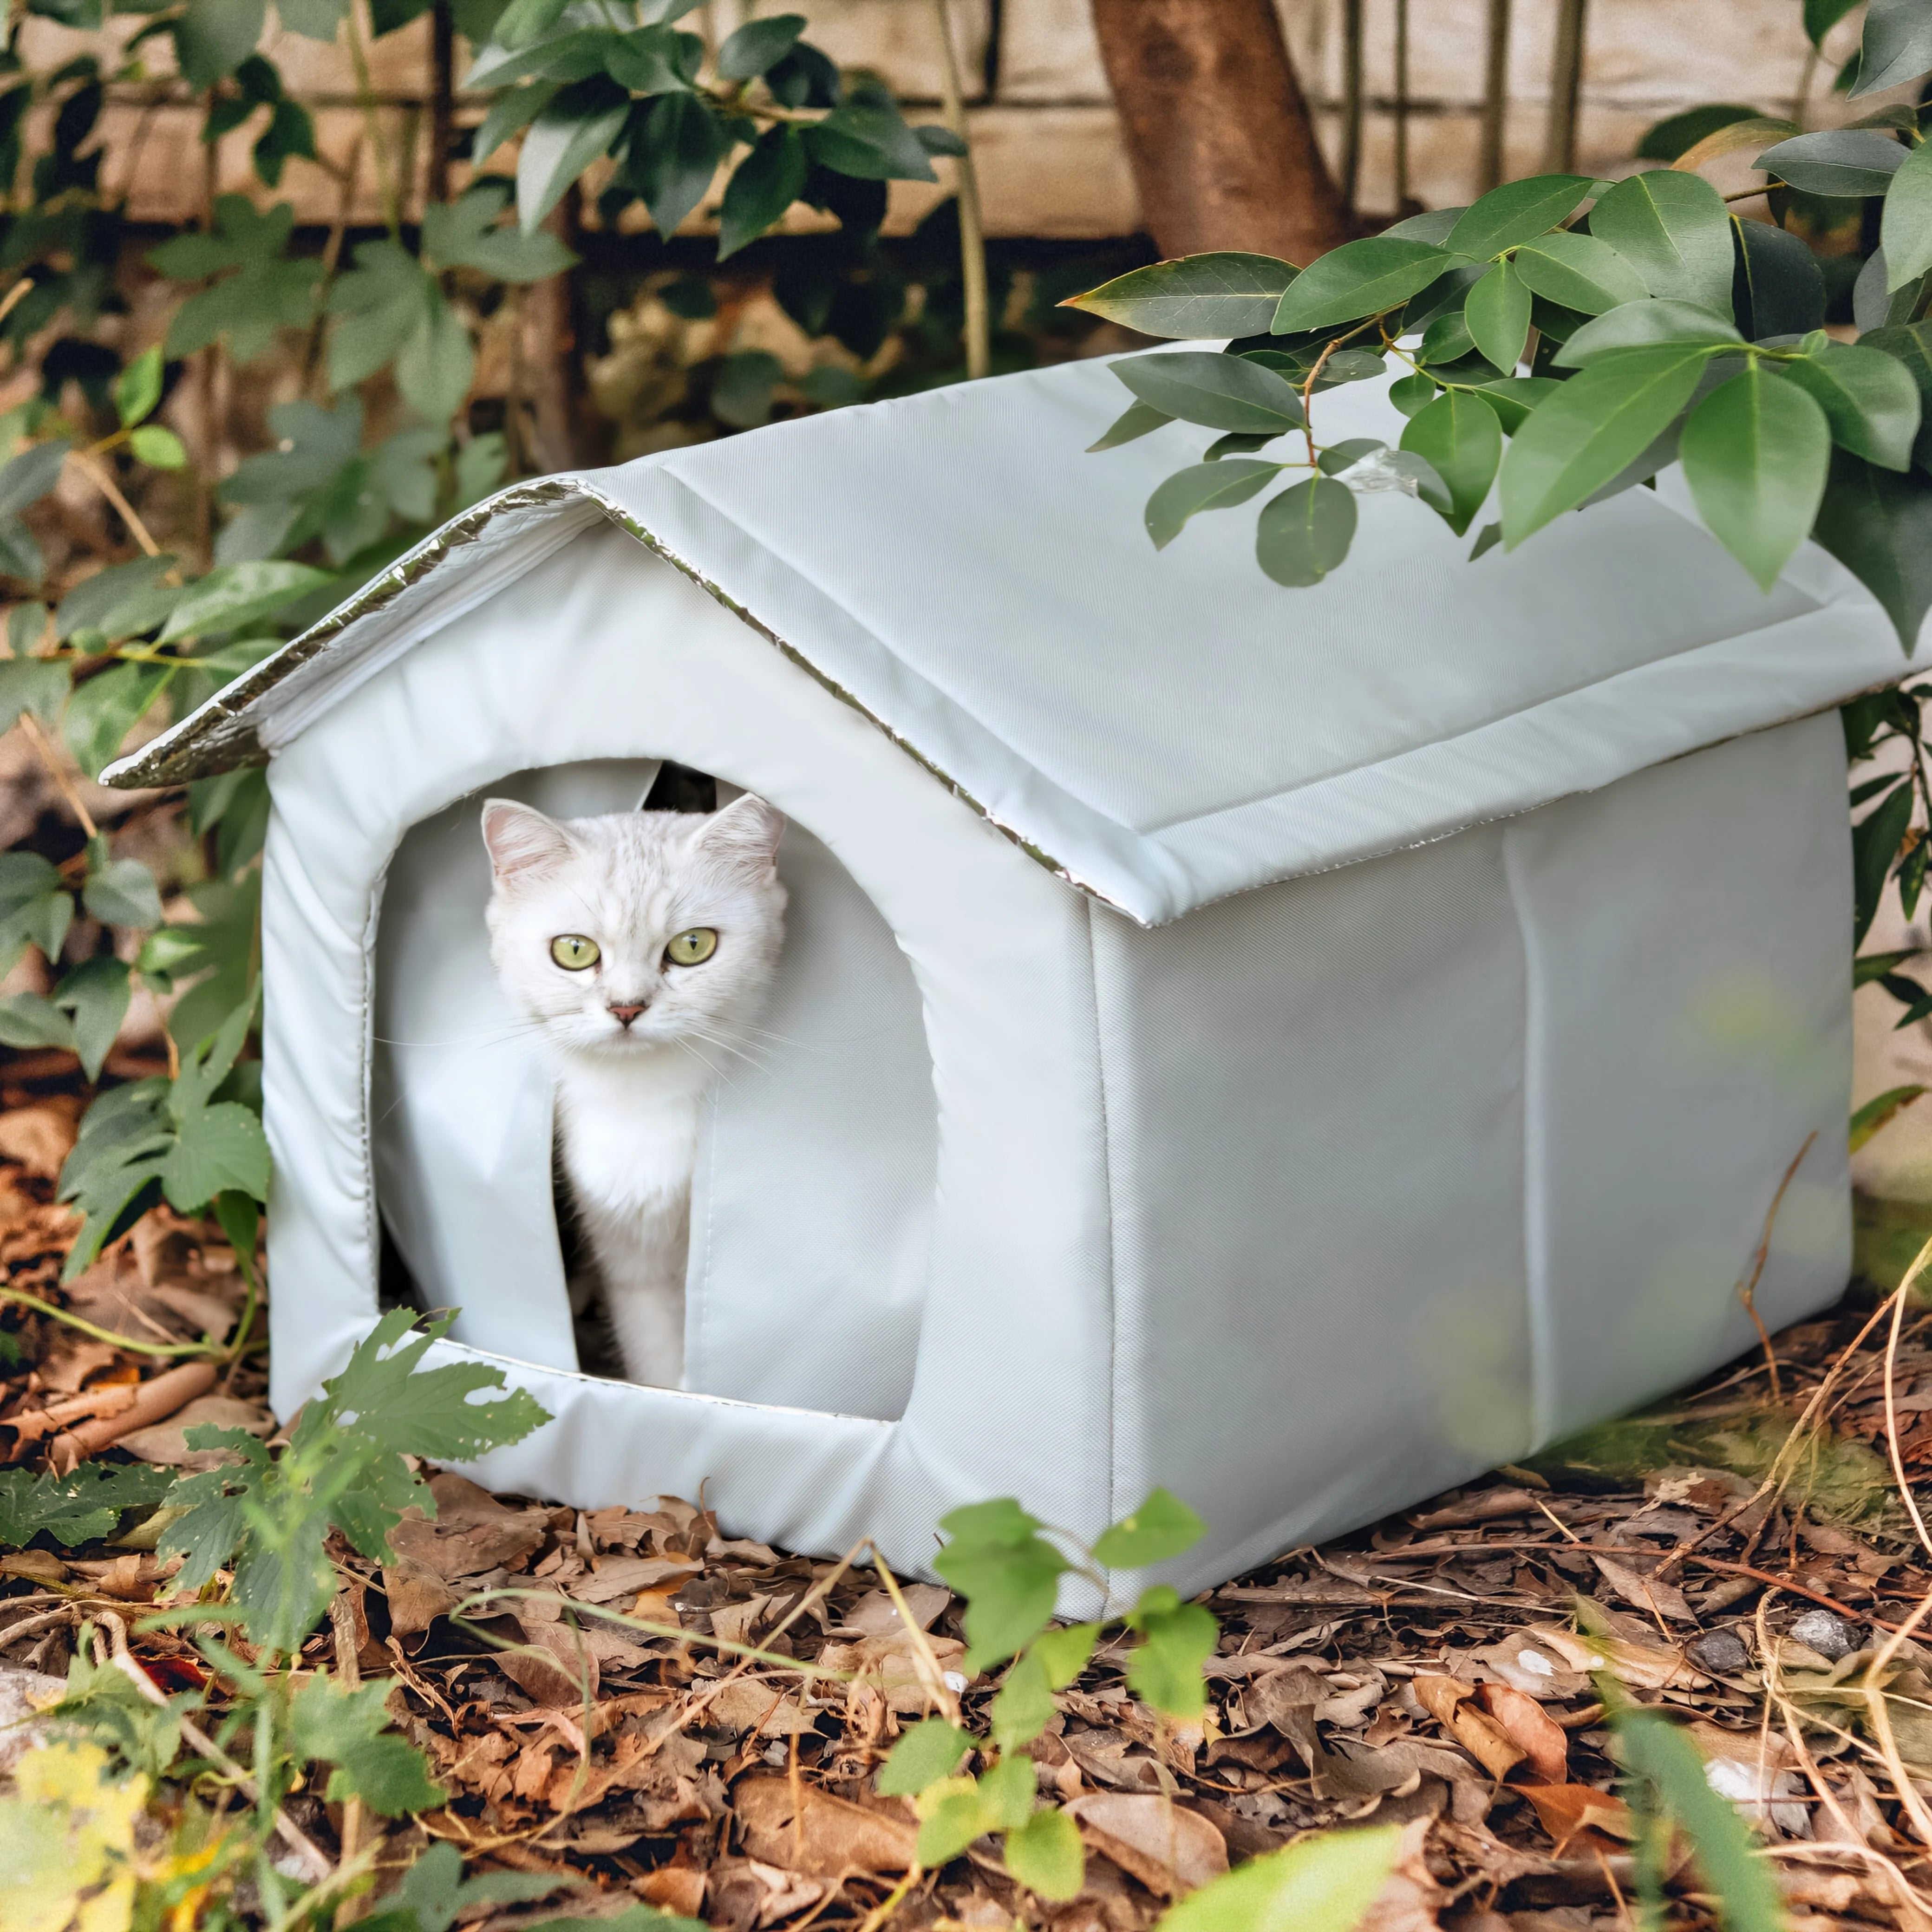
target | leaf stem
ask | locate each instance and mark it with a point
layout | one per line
(40, 1307)
(97, 475)
(36, 737)
(966, 195)
(365, 92)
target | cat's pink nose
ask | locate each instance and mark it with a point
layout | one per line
(626, 1015)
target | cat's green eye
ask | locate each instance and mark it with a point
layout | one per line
(692, 948)
(574, 952)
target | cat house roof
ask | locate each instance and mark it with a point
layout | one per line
(1162, 729)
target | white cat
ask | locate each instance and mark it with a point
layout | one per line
(642, 945)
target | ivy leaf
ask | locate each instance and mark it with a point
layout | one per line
(1870, 399)
(1674, 230)
(1176, 1639)
(1046, 1856)
(213, 38)
(577, 126)
(1514, 213)
(1756, 451)
(1879, 525)
(1358, 279)
(1219, 485)
(1643, 324)
(76, 1508)
(237, 594)
(1897, 47)
(463, 234)
(220, 1149)
(1224, 392)
(1496, 313)
(764, 183)
(931, 1750)
(123, 892)
(1008, 1573)
(1225, 293)
(265, 294)
(1844, 163)
(138, 388)
(436, 365)
(351, 1730)
(1579, 271)
(1163, 1527)
(758, 45)
(380, 303)
(1324, 1882)
(97, 993)
(1599, 422)
(1304, 532)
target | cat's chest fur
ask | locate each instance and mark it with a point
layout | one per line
(629, 1133)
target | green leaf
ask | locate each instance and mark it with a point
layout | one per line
(31, 684)
(1339, 458)
(1063, 1654)
(1905, 228)
(758, 44)
(1875, 843)
(1497, 313)
(1163, 1527)
(1844, 163)
(1653, 1748)
(653, 60)
(1410, 394)
(1897, 45)
(1579, 271)
(1679, 133)
(1675, 230)
(1876, 1113)
(1325, 1882)
(1869, 398)
(213, 38)
(1643, 324)
(31, 476)
(1822, 16)
(158, 447)
(1598, 422)
(97, 993)
(1224, 392)
(76, 1508)
(1046, 1856)
(1911, 348)
(951, 1817)
(1462, 438)
(123, 892)
(1446, 340)
(1756, 452)
(868, 140)
(1137, 420)
(28, 1020)
(1024, 1706)
(1359, 278)
(351, 1730)
(1779, 289)
(674, 150)
(929, 1751)
(1176, 1639)
(221, 1148)
(1008, 1573)
(138, 388)
(1516, 212)
(1226, 293)
(1006, 1793)
(105, 708)
(1219, 485)
(313, 19)
(765, 183)
(512, 110)
(238, 594)
(1879, 525)
(1304, 532)
(581, 123)
(436, 366)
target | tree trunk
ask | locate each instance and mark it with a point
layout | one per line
(1222, 148)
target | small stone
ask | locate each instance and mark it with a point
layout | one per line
(1830, 1635)
(1721, 1652)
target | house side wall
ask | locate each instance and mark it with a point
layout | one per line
(1422, 1162)
(605, 652)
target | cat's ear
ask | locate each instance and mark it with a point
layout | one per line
(523, 844)
(746, 833)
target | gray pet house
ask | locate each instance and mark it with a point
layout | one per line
(1298, 1047)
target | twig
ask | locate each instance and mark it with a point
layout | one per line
(940, 1691)
(96, 474)
(166, 1394)
(1881, 1720)
(1905, 1496)
(316, 1867)
(14, 296)
(349, 1675)
(36, 737)
(966, 193)
(1747, 1287)
(1830, 1603)
(891, 1903)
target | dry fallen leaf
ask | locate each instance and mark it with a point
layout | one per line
(1450, 1703)
(1169, 1848)
(1651, 1594)
(1529, 1727)
(613, 1578)
(890, 1665)
(1564, 1810)
(166, 1442)
(874, 1614)
(750, 1702)
(471, 1531)
(807, 1830)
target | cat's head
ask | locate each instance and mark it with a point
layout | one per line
(640, 930)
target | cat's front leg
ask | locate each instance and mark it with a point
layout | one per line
(641, 1261)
